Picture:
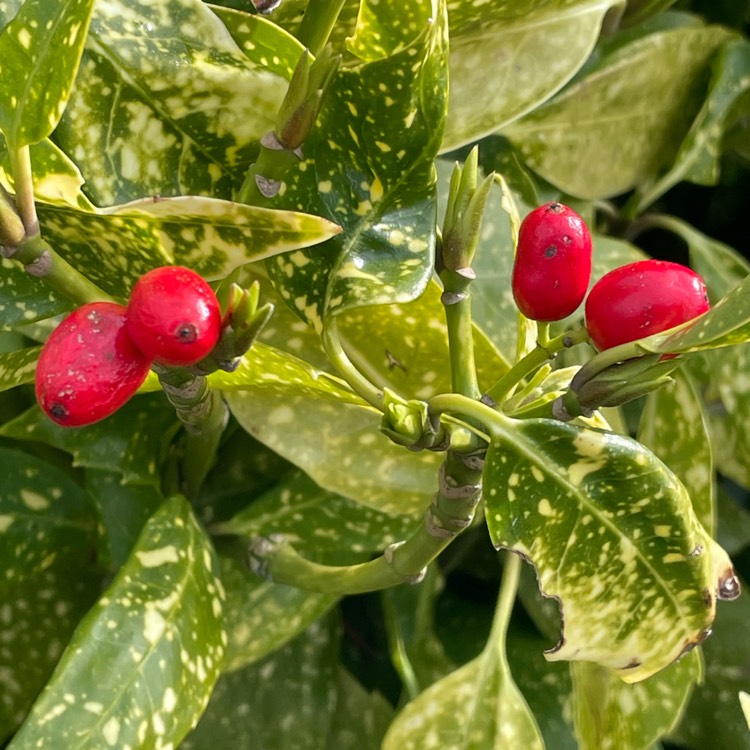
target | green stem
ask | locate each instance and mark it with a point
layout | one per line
(204, 415)
(451, 512)
(318, 22)
(39, 259)
(533, 361)
(506, 598)
(457, 303)
(265, 178)
(336, 354)
(23, 180)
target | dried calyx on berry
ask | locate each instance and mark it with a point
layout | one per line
(552, 266)
(173, 316)
(89, 366)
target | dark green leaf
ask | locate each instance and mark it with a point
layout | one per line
(261, 616)
(733, 531)
(368, 167)
(40, 50)
(636, 579)
(142, 664)
(24, 299)
(132, 441)
(630, 111)
(44, 517)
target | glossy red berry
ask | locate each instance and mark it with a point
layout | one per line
(553, 263)
(641, 299)
(174, 316)
(89, 367)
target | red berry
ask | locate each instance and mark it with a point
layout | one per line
(553, 263)
(641, 299)
(174, 316)
(89, 367)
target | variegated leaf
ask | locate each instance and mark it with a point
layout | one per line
(40, 50)
(313, 420)
(613, 536)
(507, 58)
(18, 368)
(142, 664)
(368, 167)
(133, 441)
(629, 110)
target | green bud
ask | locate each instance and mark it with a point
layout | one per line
(409, 423)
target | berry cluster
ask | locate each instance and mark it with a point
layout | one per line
(99, 356)
(552, 271)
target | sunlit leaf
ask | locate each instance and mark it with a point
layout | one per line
(313, 420)
(507, 58)
(636, 579)
(629, 111)
(40, 50)
(142, 663)
(369, 167)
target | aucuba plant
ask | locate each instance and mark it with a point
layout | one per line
(369, 377)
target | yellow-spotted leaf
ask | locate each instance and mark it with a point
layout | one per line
(40, 50)
(316, 422)
(368, 167)
(143, 662)
(17, 368)
(613, 536)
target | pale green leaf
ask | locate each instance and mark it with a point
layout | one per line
(40, 50)
(133, 441)
(612, 715)
(44, 517)
(745, 704)
(637, 580)
(143, 662)
(317, 520)
(673, 425)
(211, 236)
(508, 57)
(37, 617)
(476, 707)
(369, 168)
(261, 616)
(313, 420)
(698, 159)
(629, 111)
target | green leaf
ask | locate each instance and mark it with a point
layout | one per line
(638, 10)
(714, 717)
(40, 50)
(44, 517)
(18, 368)
(637, 580)
(612, 715)
(317, 520)
(369, 168)
(745, 704)
(733, 531)
(698, 159)
(133, 441)
(37, 617)
(209, 235)
(261, 617)
(638, 100)
(673, 425)
(507, 58)
(476, 707)
(313, 420)
(141, 665)
(298, 697)
(165, 103)
(123, 511)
